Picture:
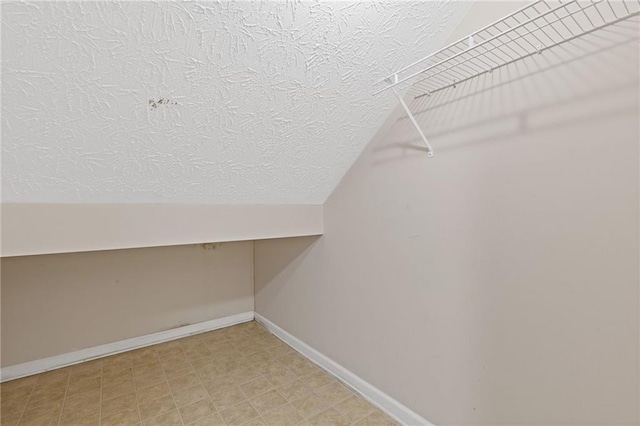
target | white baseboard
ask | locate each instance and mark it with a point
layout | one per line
(374, 395)
(58, 361)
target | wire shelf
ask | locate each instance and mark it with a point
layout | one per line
(526, 32)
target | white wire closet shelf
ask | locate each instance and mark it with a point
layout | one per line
(527, 32)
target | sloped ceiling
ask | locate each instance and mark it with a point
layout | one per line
(210, 102)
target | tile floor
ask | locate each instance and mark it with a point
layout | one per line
(240, 375)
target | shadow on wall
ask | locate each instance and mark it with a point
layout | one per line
(521, 219)
(590, 78)
(281, 262)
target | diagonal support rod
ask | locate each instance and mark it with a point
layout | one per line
(415, 123)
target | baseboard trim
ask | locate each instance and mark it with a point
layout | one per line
(384, 402)
(39, 366)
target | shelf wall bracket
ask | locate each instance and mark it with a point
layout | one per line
(413, 120)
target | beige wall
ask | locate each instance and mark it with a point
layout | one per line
(29, 229)
(54, 304)
(496, 283)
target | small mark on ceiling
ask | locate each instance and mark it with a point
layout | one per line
(162, 101)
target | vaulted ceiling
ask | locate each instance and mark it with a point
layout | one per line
(199, 102)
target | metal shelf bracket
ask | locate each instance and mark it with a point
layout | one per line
(412, 118)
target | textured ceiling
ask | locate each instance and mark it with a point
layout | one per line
(214, 102)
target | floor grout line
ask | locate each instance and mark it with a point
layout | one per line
(100, 400)
(26, 404)
(201, 384)
(64, 399)
(135, 389)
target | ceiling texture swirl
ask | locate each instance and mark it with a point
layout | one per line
(199, 102)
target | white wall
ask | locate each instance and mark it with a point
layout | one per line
(29, 229)
(59, 303)
(496, 283)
